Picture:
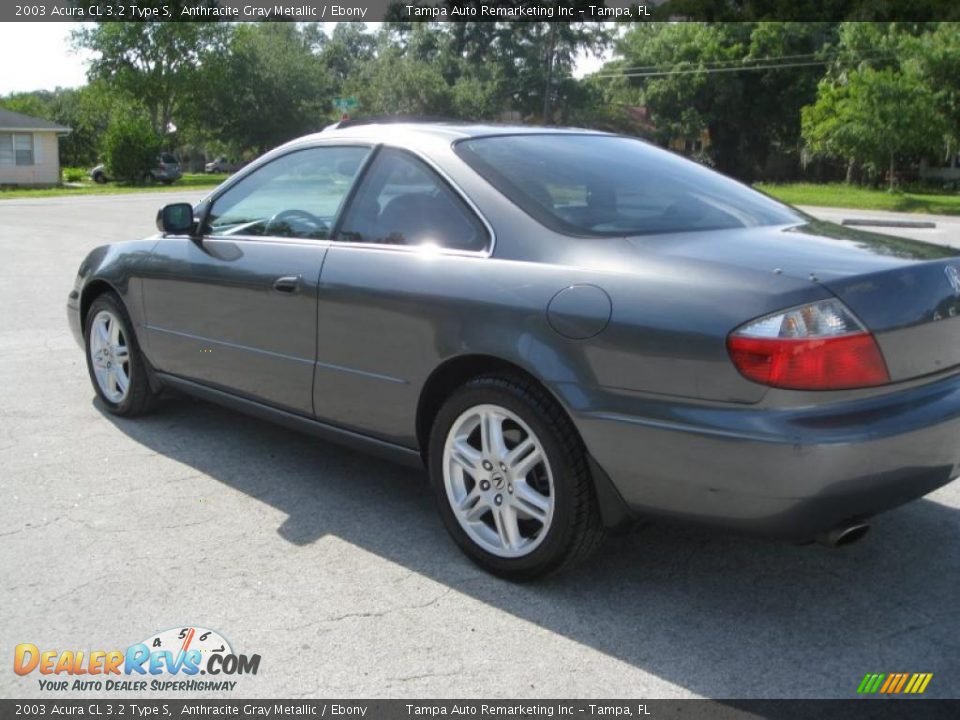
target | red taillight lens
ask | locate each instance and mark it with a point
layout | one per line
(832, 363)
(820, 346)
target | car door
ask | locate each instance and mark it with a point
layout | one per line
(405, 246)
(237, 308)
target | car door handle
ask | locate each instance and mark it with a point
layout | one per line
(288, 284)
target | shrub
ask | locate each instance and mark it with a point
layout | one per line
(130, 148)
(74, 174)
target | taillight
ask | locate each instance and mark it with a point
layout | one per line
(820, 346)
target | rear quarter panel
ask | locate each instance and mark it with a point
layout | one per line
(388, 318)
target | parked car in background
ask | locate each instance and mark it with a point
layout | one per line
(222, 165)
(166, 171)
(570, 329)
(99, 174)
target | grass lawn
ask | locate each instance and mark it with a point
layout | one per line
(189, 181)
(851, 196)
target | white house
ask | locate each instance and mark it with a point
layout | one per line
(29, 150)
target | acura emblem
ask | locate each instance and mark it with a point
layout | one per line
(953, 277)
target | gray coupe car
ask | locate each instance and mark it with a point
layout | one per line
(570, 329)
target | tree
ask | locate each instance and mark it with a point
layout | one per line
(741, 82)
(267, 87)
(936, 57)
(130, 147)
(874, 117)
(348, 49)
(152, 63)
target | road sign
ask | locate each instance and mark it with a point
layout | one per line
(345, 104)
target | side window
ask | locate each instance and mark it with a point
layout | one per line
(402, 201)
(297, 195)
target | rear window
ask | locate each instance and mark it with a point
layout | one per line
(168, 159)
(607, 185)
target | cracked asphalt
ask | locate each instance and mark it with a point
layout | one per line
(334, 566)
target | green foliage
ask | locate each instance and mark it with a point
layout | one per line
(130, 147)
(85, 110)
(74, 174)
(866, 94)
(154, 64)
(268, 87)
(891, 95)
(475, 70)
(725, 79)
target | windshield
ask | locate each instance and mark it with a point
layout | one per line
(608, 185)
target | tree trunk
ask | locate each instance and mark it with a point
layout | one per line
(893, 167)
(851, 163)
(548, 88)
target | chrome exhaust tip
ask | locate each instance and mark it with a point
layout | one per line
(843, 535)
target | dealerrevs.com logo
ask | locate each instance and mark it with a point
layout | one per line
(167, 661)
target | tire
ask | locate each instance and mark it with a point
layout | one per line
(105, 351)
(100, 178)
(548, 514)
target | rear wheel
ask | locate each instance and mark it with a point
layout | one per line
(511, 479)
(114, 361)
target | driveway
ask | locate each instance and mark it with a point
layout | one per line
(945, 232)
(334, 566)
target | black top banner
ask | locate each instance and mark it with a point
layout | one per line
(479, 10)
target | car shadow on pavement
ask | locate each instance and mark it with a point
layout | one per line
(720, 615)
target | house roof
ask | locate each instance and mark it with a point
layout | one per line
(10, 120)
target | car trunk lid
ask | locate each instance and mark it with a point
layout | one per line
(906, 292)
(913, 311)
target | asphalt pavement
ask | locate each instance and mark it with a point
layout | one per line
(334, 567)
(946, 230)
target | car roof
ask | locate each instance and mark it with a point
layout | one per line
(410, 131)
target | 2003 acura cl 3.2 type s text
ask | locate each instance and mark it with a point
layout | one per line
(570, 328)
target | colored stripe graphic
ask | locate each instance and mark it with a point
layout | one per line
(894, 683)
(903, 680)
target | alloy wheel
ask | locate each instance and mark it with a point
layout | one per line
(498, 481)
(110, 355)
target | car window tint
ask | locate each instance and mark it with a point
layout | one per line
(402, 201)
(296, 195)
(608, 185)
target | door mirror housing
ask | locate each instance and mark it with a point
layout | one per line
(176, 219)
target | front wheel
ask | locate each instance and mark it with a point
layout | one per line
(114, 360)
(511, 479)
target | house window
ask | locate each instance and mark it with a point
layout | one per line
(16, 149)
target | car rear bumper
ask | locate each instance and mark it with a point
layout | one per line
(791, 472)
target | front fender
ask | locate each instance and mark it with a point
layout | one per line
(118, 267)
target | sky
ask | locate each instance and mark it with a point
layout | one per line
(37, 56)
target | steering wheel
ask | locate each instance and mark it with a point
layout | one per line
(294, 214)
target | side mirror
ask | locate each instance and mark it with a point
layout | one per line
(175, 219)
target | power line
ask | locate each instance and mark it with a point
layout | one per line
(710, 70)
(734, 61)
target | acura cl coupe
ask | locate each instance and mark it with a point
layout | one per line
(570, 329)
